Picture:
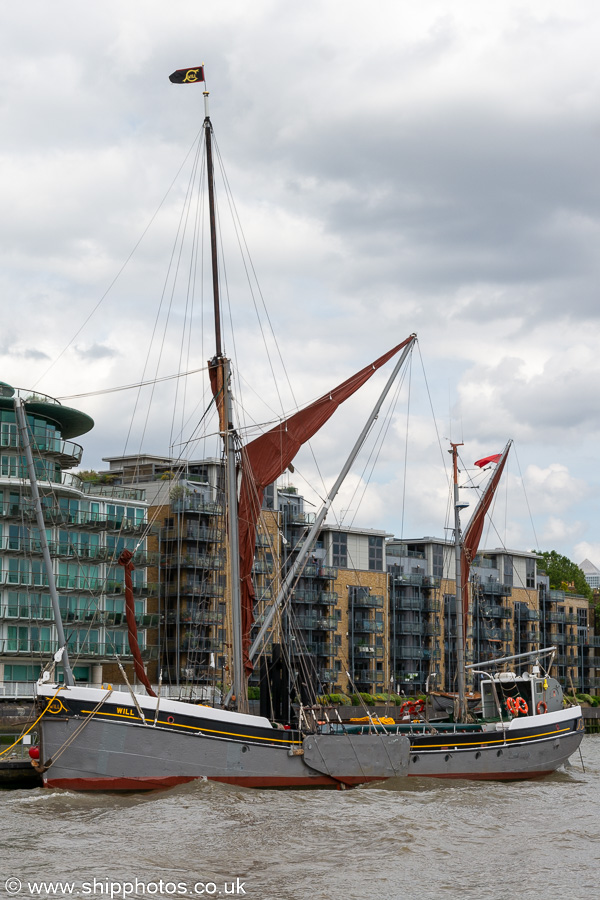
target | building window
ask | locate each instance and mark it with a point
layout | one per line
(530, 573)
(339, 550)
(269, 497)
(437, 561)
(376, 554)
(508, 570)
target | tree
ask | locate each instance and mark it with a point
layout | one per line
(564, 574)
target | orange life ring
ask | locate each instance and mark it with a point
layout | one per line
(515, 705)
(542, 707)
(521, 704)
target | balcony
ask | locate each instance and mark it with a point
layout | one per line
(25, 612)
(298, 518)
(110, 586)
(200, 535)
(432, 606)
(410, 628)
(17, 647)
(262, 567)
(197, 644)
(194, 561)
(412, 653)
(532, 615)
(495, 588)
(300, 595)
(369, 601)
(172, 591)
(572, 639)
(495, 611)
(66, 453)
(556, 618)
(195, 503)
(366, 625)
(305, 622)
(532, 637)
(328, 675)
(321, 648)
(557, 637)
(409, 603)
(367, 651)
(571, 618)
(556, 596)
(196, 617)
(416, 580)
(314, 571)
(327, 623)
(485, 633)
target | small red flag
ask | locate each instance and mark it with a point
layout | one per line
(494, 458)
(187, 76)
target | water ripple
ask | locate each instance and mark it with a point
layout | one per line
(407, 839)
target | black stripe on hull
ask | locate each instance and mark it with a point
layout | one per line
(230, 731)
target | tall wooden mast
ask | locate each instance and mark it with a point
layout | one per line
(222, 369)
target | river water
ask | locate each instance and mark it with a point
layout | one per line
(409, 839)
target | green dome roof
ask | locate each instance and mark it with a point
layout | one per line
(71, 422)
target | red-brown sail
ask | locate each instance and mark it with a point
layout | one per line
(474, 530)
(125, 561)
(267, 457)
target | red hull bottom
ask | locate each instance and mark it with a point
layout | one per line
(322, 781)
(501, 776)
(156, 784)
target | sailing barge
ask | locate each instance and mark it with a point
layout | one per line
(100, 739)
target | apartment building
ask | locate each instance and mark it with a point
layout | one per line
(87, 527)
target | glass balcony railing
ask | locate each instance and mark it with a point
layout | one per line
(366, 625)
(94, 649)
(201, 535)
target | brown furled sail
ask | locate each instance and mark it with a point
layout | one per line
(267, 457)
(125, 561)
(474, 530)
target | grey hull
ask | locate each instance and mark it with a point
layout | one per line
(496, 763)
(115, 756)
(101, 740)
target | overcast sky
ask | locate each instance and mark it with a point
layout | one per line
(396, 167)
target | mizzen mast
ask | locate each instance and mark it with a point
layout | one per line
(459, 602)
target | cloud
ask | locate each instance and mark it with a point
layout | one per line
(394, 169)
(96, 351)
(32, 353)
(587, 550)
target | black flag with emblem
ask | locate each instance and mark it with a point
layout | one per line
(187, 76)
